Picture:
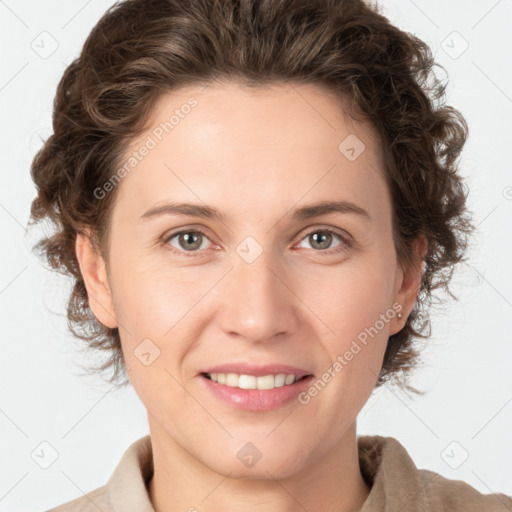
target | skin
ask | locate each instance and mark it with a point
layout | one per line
(256, 155)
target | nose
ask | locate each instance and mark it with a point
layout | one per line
(258, 303)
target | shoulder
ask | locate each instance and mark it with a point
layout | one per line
(127, 487)
(95, 500)
(397, 484)
(452, 495)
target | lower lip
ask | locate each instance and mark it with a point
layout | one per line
(257, 399)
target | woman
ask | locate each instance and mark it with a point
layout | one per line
(255, 200)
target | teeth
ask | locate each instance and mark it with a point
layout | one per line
(251, 382)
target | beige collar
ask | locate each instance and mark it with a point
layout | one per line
(397, 485)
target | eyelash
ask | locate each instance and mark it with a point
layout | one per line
(345, 246)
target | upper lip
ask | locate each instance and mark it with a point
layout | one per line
(257, 370)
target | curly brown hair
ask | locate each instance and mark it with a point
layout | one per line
(142, 49)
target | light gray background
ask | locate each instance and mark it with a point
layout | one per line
(468, 407)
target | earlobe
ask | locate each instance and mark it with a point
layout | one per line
(92, 267)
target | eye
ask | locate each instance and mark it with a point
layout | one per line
(321, 239)
(190, 240)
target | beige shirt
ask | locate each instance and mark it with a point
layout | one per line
(396, 484)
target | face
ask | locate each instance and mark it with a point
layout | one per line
(262, 284)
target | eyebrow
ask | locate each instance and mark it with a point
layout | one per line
(209, 212)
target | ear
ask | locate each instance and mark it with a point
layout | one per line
(408, 282)
(92, 267)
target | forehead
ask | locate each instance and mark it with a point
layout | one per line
(229, 145)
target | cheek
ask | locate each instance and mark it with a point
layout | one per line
(349, 298)
(356, 308)
(156, 308)
(151, 308)
(149, 298)
(144, 311)
(344, 300)
(354, 304)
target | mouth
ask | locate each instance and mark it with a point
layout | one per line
(261, 382)
(255, 393)
(255, 387)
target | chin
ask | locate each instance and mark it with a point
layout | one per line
(250, 463)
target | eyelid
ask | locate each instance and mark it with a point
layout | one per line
(319, 227)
